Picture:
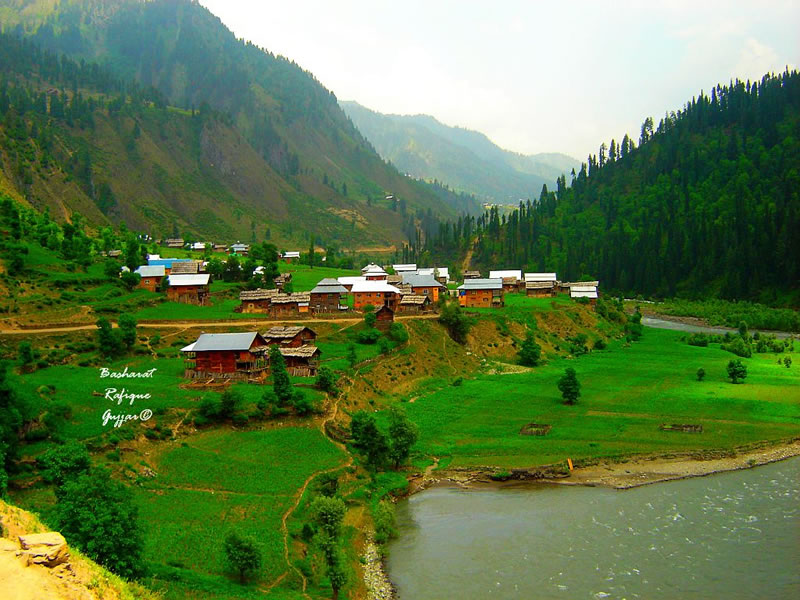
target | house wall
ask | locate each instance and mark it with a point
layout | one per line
(255, 306)
(431, 292)
(279, 310)
(477, 299)
(541, 293)
(362, 299)
(150, 283)
(188, 294)
(325, 302)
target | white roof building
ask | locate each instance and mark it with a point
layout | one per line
(290, 255)
(374, 286)
(529, 277)
(181, 280)
(517, 274)
(406, 267)
(151, 271)
(583, 291)
(351, 280)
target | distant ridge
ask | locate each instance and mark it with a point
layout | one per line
(466, 160)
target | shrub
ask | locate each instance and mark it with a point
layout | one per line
(701, 373)
(368, 336)
(383, 515)
(398, 333)
(736, 371)
(600, 345)
(698, 339)
(738, 347)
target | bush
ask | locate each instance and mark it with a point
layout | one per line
(383, 515)
(698, 339)
(736, 371)
(701, 373)
(600, 345)
(738, 347)
(398, 333)
(326, 381)
(368, 336)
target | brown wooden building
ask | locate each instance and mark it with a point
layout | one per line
(256, 301)
(290, 337)
(413, 305)
(150, 277)
(327, 296)
(384, 317)
(226, 356)
(540, 289)
(191, 267)
(283, 305)
(302, 361)
(188, 289)
(472, 274)
(481, 293)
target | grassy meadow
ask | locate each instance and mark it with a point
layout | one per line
(627, 392)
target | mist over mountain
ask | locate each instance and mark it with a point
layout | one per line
(464, 159)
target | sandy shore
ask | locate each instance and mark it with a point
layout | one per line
(634, 472)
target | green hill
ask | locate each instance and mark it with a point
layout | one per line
(272, 148)
(466, 160)
(706, 204)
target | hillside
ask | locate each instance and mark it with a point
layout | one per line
(280, 146)
(464, 159)
(706, 204)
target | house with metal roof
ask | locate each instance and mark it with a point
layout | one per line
(481, 293)
(423, 285)
(327, 296)
(583, 291)
(540, 277)
(375, 293)
(150, 277)
(515, 273)
(374, 273)
(239, 248)
(404, 267)
(226, 356)
(188, 289)
(540, 289)
(290, 256)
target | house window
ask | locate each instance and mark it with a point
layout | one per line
(147, 281)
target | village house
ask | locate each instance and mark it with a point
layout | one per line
(349, 282)
(226, 356)
(191, 267)
(290, 257)
(472, 274)
(511, 279)
(302, 361)
(150, 277)
(239, 248)
(394, 280)
(579, 290)
(540, 289)
(374, 273)
(220, 247)
(289, 304)
(327, 296)
(198, 246)
(423, 285)
(413, 305)
(375, 293)
(539, 277)
(384, 317)
(282, 279)
(256, 301)
(290, 336)
(481, 293)
(404, 268)
(565, 287)
(114, 253)
(441, 274)
(174, 243)
(188, 289)
(154, 260)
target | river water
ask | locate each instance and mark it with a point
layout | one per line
(678, 326)
(731, 536)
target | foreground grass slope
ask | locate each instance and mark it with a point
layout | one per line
(626, 394)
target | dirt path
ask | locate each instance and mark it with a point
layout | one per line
(299, 497)
(168, 324)
(467, 259)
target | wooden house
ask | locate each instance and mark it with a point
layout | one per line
(282, 279)
(150, 277)
(375, 293)
(404, 268)
(199, 246)
(290, 257)
(175, 243)
(191, 267)
(167, 263)
(290, 337)
(188, 289)
(472, 274)
(239, 248)
(302, 361)
(374, 273)
(384, 317)
(423, 285)
(539, 277)
(540, 289)
(283, 305)
(256, 301)
(510, 284)
(114, 253)
(565, 287)
(413, 305)
(481, 293)
(326, 297)
(394, 280)
(583, 291)
(226, 356)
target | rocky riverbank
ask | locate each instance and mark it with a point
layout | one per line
(375, 578)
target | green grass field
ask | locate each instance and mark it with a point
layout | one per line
(304, 278)
(228, 480)
(626, 394)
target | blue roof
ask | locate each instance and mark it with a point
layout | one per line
(166, 262)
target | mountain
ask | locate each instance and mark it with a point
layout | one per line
(707, 204)
(466, 160)
(274, 149)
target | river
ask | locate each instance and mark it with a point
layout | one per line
(732, 535)
(688, 327)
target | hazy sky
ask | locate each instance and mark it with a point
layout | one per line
(533, 76)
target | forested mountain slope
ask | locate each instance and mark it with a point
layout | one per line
(464, 159)
(707, 203)
(309, 158)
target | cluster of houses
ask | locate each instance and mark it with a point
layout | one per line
(477, 292)
(245, 356)
(238, 248)
(409, 290)
(185, 281)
